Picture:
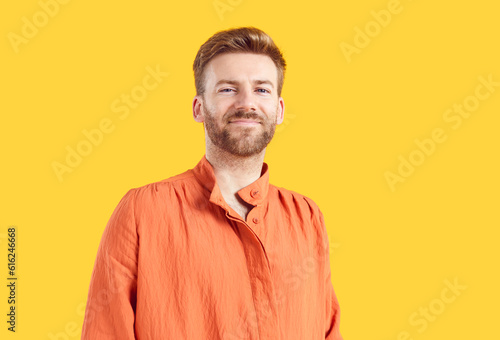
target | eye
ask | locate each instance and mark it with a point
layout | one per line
(225, 90)
(265, 90)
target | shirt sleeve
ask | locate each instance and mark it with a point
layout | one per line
(111, 302)
(332, 322)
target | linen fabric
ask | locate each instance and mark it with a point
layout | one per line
(175, 261)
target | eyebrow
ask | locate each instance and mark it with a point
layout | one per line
(235, 82)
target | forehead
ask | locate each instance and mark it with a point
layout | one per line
(241, 67)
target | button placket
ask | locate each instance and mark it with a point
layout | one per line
(263, 291)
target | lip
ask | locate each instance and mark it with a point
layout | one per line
(245, 122)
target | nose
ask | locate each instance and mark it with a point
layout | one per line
(245, 100)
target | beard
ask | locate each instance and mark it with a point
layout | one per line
(241, 141)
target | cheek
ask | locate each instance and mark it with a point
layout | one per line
(225, 106)
(271, 110)
(220, 107)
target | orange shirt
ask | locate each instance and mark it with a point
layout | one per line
(177, 262)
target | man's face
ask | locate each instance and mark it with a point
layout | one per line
(240, 106)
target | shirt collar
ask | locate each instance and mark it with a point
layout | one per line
(254, 193)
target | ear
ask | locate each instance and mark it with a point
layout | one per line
(197, 109)
(281, 111)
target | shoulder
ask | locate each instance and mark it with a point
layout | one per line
(292, 198)
(304, 213)
(163, 190)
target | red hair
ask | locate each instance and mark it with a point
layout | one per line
(237, 40)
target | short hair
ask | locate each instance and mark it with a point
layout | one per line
(237, 40)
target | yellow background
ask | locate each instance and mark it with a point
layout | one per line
(346, 124)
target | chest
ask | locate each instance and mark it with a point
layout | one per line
(207, 268)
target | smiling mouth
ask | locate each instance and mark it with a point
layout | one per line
(244, 122)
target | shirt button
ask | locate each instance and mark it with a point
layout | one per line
(254, 193)
(255, 220)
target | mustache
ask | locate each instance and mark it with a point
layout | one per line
(245, 115)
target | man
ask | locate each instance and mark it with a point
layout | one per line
(217, 252)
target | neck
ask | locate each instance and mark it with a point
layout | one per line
(233, 172)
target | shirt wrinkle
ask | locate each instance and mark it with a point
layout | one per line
(177, 262)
